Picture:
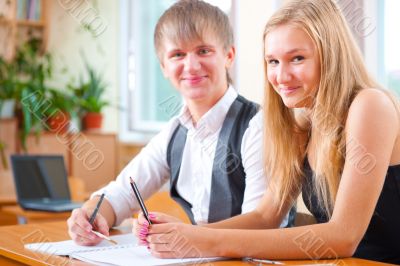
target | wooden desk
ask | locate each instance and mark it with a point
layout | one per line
(27, 216)
(14, 237)
(7, 200)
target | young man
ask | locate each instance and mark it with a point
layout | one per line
(212, 152)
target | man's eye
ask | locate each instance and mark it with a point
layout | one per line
(177, 55)
(204, 51)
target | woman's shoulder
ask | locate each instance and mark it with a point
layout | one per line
(374, 105)
(371, 99)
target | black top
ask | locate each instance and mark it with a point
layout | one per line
(381, 241)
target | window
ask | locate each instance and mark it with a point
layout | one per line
(382, 42)
(391, 44)
(148, 99)
(143, 88)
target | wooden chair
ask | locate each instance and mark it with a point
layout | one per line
(304, 219)
(162, 202)
(77, 189)
(303, 216)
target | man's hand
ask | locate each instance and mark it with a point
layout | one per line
(80, 230)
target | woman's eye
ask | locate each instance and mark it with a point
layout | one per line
(272, 62)
(298, 58)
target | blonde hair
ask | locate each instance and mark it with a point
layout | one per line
(342, 75)
(189, 20)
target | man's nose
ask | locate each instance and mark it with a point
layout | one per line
(192, 62)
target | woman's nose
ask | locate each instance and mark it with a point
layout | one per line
(283, 75)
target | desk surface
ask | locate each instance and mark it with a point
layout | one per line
(7, 200)
(29, 216)
(14, 237)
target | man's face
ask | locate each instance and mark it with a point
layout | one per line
(197, 69)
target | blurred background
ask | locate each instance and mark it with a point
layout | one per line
(80, 77)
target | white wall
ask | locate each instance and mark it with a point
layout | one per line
(68, 39)
(251, 17)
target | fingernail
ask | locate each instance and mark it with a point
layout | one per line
(144, 229)
(146, 223)
(152, 216)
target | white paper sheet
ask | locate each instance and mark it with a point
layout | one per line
(127, 252)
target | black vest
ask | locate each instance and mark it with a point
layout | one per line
(228, 176)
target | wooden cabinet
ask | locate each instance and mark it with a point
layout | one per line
(90, 156)
(8, 139)
(8, 136)
(21, 20)
(94, 159)
(48, 143)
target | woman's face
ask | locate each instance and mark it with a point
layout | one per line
(293, 66)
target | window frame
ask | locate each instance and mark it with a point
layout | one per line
(129, 110)
(127, 133)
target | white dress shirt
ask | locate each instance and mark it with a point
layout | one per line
(150, 169)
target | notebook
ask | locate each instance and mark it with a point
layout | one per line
(127, 252)
(41, 183)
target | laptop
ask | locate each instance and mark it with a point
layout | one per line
(41, 183)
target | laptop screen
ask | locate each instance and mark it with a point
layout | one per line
(39, 177)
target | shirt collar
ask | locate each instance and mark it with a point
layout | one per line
(213, 119)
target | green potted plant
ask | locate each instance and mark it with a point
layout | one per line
(89, 96)
(61, 107)
(8, 87)
(33, 69)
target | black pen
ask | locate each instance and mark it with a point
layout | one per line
(93, 217)
(140, 200)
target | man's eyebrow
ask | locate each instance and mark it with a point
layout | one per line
(205, 45)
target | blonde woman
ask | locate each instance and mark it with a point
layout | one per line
(330, 133)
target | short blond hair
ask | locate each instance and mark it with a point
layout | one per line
(189, 20)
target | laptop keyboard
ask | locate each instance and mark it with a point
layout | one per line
(57, 206)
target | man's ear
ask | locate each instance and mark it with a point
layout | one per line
(230, 56)
(164, 71)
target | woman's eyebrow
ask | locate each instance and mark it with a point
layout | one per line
(292, 51)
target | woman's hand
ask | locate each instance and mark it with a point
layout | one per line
(141, 226)
(178, 240)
